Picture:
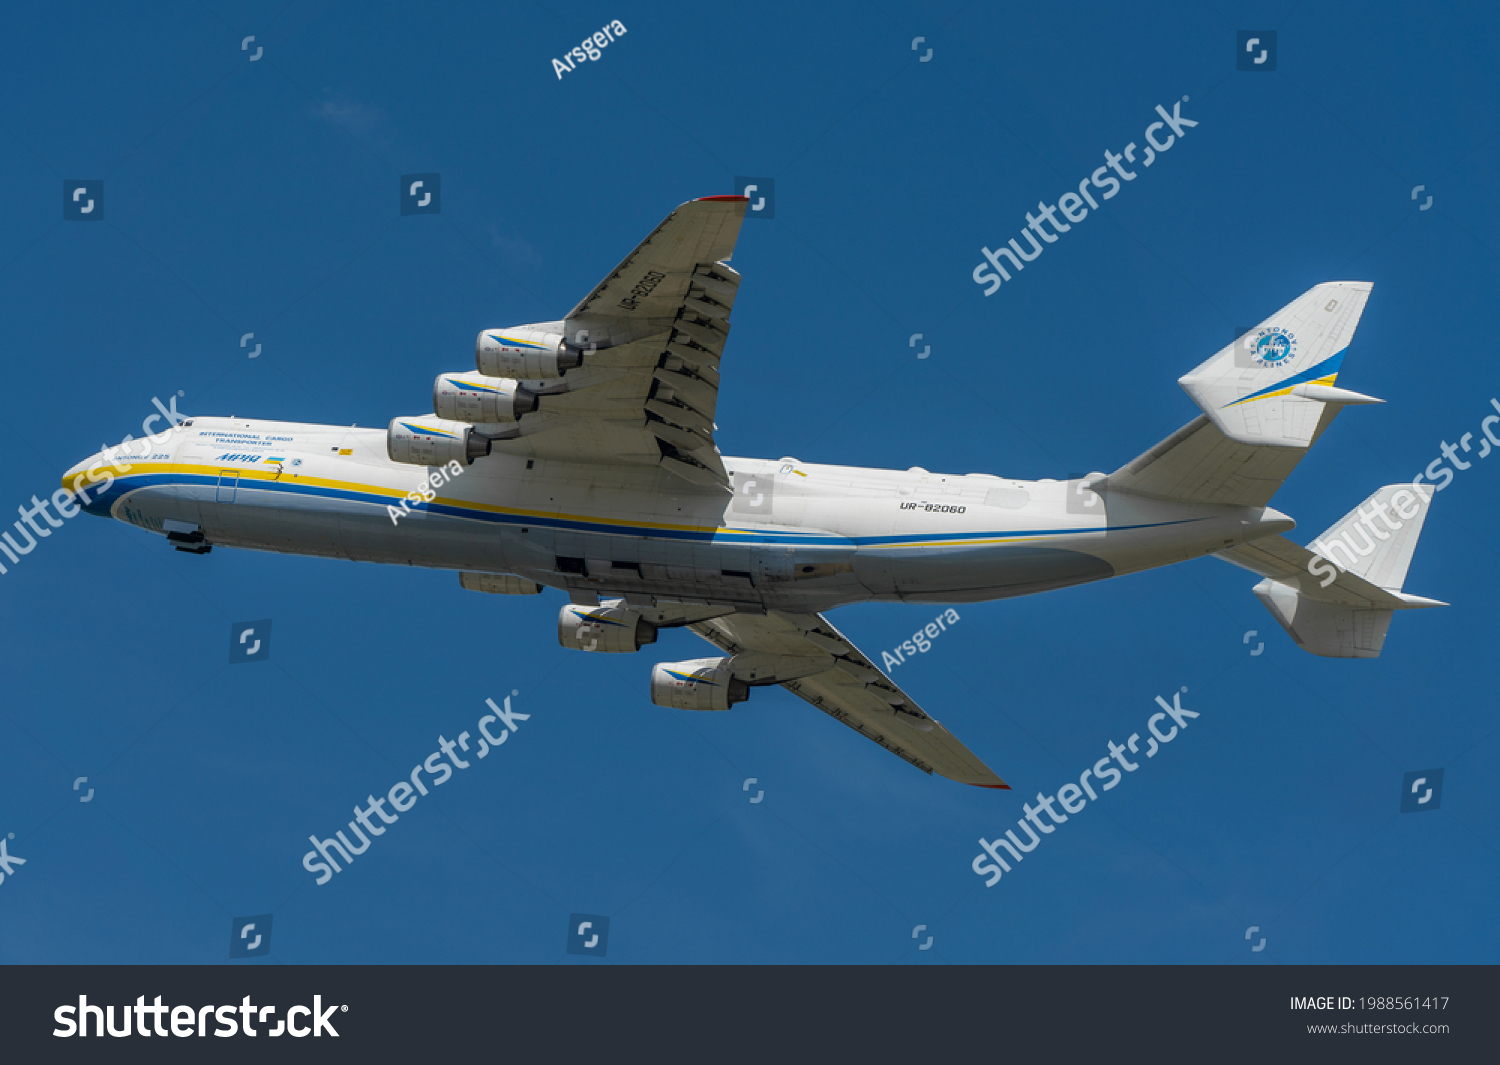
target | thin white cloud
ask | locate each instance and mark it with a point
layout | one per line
(354, 116)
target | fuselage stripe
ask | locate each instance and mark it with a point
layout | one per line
(377, 495)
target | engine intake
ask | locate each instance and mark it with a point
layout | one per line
(431, 441)
(526, 352)
(607, 629)
(471, 397)
(697, 684)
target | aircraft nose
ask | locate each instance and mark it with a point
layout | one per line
(77, 480)
(77, 470)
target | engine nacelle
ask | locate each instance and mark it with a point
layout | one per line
(526, 353)
(472, 397)
(608, 629)
(430, 441)
(698, 684)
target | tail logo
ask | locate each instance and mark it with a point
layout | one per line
(1275, 347)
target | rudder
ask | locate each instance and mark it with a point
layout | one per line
(1326, 617)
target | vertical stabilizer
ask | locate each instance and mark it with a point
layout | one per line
(1344, 610)
(1271, 386)
(1376, 539)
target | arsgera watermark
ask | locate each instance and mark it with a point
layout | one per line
(424, 492)
(921, 640)
(590, 49)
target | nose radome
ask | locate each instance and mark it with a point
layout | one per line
(77, 477)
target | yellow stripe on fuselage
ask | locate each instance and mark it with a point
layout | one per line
(977, 542)
(253, 473)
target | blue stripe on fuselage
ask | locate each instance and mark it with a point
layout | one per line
(135, 482)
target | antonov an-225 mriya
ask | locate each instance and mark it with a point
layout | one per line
(580, 456)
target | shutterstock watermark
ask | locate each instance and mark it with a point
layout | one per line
(189, 1021)
(403, 796)
(9, 861)
(1106, 179)
(1438, 476)
(97, 478)
(1070, 796)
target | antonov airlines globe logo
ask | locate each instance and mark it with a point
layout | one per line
(1275, 347)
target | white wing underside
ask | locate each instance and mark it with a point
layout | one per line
(852, 690)
(653, 334)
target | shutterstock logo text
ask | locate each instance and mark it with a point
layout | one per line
(189, 1021)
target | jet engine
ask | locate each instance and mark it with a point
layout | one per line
(698, 684)
(430, 441)
(608, 629)
(470, 397)
(526, 352)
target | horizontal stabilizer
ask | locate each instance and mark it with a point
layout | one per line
(1337, 596)
(1199, 464)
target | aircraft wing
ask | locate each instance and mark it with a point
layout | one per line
(652, 333)
(850, 688)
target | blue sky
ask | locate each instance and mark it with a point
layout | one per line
(261, 197)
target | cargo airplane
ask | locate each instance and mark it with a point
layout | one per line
(579, 455)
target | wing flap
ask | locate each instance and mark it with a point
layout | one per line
(655, 330)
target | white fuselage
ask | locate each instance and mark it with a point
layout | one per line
(790, 536)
